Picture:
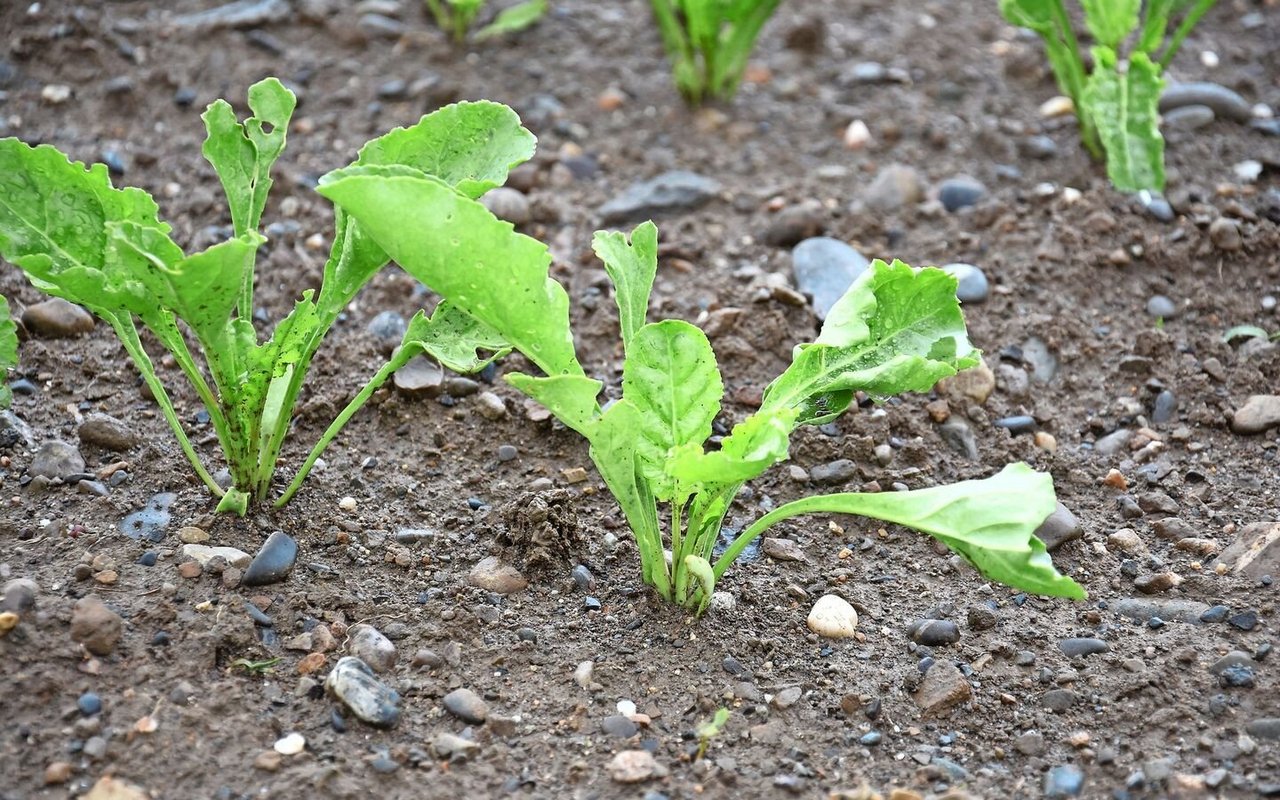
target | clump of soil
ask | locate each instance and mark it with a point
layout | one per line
(542, 531)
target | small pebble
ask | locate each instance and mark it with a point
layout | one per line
(290, 744)
(1161, 307)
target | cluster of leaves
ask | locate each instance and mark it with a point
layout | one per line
(457, 16)
(1116, 103)
(709, 42)
(78, 238)
(897, 329)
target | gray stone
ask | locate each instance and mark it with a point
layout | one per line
(274, 561)
(1265, 728)
(507, 204)
(1224, 102)
(1059, 528)
(973, 287)
(1030, 743)
(1113, 443)
(834, 473)
(419, 377)
(370, 646)
(19, 596)
(57, 319)
(56, 459)
(894, 186)
(353, 684)
(794, 224)
(667, 193)
(1188, 118)
(107, 432)
(1255, 552)
(388, 328)
(824, 269)
(1058, 699)
(454, 748)
(1044, 364)
(959, 436)
(619, 726)
(1156, 205)
(1161, 307)
(1143, 609)
(982, 618)
(960, 192)
(467, 706)
(1260, 413)
(1082, 646)
(239, 14)
(934, 632)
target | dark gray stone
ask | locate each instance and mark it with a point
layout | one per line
(960, 192)
(354, 685)
(274, 561)
(959, 437)
(669, 192)
(239, 14)
(836, 472)
(824, 268)
(619, 726)
(1224, 102)
(1059, 528)
(1188, 118)
(150, 522)
(973, 287)
(934, 632)
(1082, 646)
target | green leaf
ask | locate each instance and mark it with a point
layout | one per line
(455, 338)
(614, 452)
(469, 146)
(8, 352)
(467, 255)
(242, 153)
(1244, 332)
(1111, 21)
(1155, 24)
(895, 330)
(1124, 107)
(53, 225)
(757, 443)
(670, 376)
(990, 522)
(700, 569)
(632, 266)
(513, 19)
(571, 398)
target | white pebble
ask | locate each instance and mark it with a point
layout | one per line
(1070, 195)
(626, 708)
(56, 93)
(833, 618)
(291, 744)
(583, 674)
(348, 504)
(1209, 59)
(857, 135)
(1059, 106)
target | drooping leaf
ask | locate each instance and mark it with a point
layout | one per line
(455, 338)
(1111, 21)
(462, 251)
(514, 19)
(990, 522)
(243, 153)
(670, 376)
(469, 146)
(8, 352)
(754, 445)
(1244, 332)
(632, 266)
(571, 398)
(1124, 107)
(895, 330)
(700, 569)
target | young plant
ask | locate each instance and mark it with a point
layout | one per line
(895, 330)
(8, 352)
(709, 42)
(79, 238)
(1116, 103)
(457, 16)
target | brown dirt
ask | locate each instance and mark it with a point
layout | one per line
(1151, 697)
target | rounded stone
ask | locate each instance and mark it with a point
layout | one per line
(1161, 307)
(973, 286)
(89, 704)
(960, 192)
(832, 617)
(370, 646)
(467, 706)
(57, 319)
(934, 632)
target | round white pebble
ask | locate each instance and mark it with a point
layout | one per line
(290, 745)
(348, 504)
(626, 708)
(833, 618)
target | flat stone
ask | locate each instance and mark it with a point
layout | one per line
(354, 685)
(1265, 728)
(834, 473)
(635, 766)
(1082, 646)
(824, 269)
(1188, 118)
(454, 748)
(467, 706)
(1255, 552)
(960, 192)
(669, 192)
(619, 726)
(419, 377)
(782, 549)
(942, 688)
(95, 626)
(959, 435)
(56, 459)
(1224, 102)
(107, 432)
(274, 561)
(1260, 413)
(895, 186)
(57, 319)
(237, 14)
(492, 575)
(833, 618)
(1143, 609)
(1058, 699)
(203, 554)
(934, 632)
(370, 646)
(1059, 528)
